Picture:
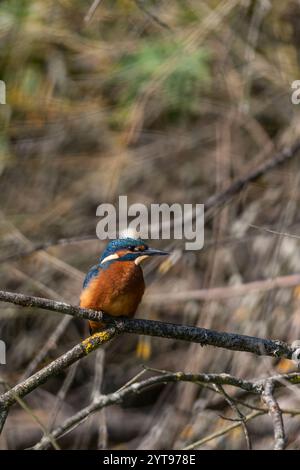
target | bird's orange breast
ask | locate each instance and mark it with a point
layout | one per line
(117, 290)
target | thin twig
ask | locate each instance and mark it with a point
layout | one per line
(62, 394)
(91, 10)
(214, 201)
(137, 387)
(47, 346)
(35, 418)
(77, 352)
(117, 325)
(152, 16)
(96, 393)
(276, 414)
(227, 292)
(120, 395)
(45, 245)
(241, 417)
(275, 232)
(278, 159)
(222, 432)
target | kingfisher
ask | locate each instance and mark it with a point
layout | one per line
(116, 284)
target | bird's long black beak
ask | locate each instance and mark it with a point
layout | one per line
(152, 252)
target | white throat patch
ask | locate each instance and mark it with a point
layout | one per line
(138, 260)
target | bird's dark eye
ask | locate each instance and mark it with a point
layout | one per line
(137, 248)
(140, 248)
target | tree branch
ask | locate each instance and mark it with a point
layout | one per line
(276, 414)
(73, 355)
(256, 386)
(215, 435)
(118, 325)
(203, 336)
(240, 415)
(138, 387)
(45, 245)
(152, 16)
(214, 201)
(276, 160)
(226, 292)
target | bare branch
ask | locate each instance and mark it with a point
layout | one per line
(203, 336)
(3, 416)
(91, 10)
(214, 201)
(137, 387)
(276, 414)
(222, 432)
(255, 387)
(152, 16)
(236, 409)
(227, 292)
(45, 245)
(47, 346)
(117, 325)
(277, 160)
(77, 352)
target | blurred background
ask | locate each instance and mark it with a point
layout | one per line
(163, 101)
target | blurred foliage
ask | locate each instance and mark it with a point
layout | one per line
(181, 91)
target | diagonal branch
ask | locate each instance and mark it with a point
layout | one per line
(44, 246)
(222, 432)
(226, 292)
(34, 381)
(234, 188)
(216, 200)
(138, 387)
(276, 414)
(256, 387)
(203, 336)
(152, 16)
(240, 415)
(118, 325)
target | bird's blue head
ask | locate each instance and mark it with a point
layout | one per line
(128, 249)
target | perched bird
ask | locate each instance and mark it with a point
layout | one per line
(116, 284)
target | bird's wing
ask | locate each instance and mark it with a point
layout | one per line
(93, 272)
